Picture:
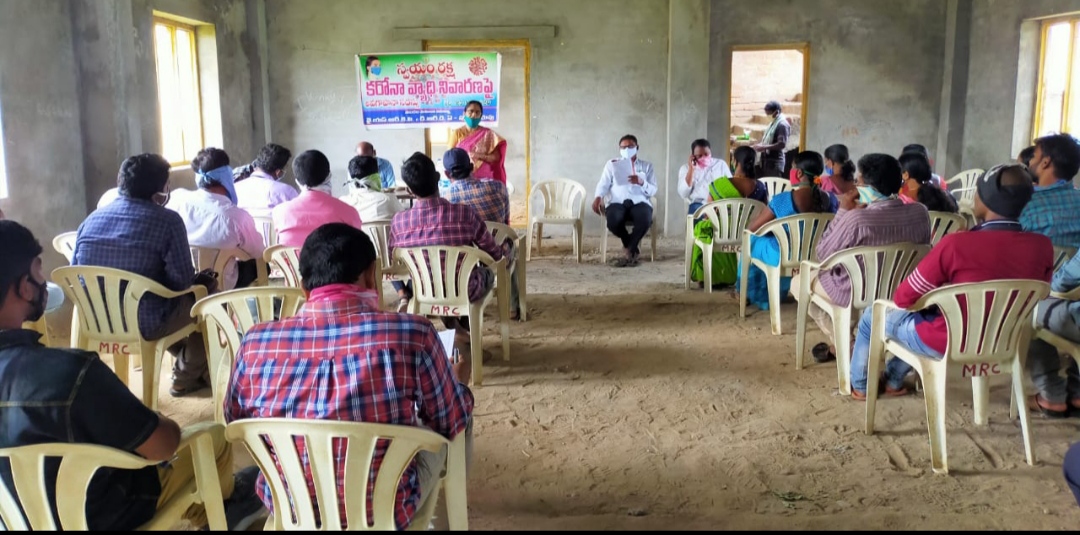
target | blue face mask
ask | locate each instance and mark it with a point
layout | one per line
(375, 71)
(471, 122)
(828, 171)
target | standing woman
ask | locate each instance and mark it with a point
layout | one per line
(486, 149)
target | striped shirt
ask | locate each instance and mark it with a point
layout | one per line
(881, 223)
(1054, 212)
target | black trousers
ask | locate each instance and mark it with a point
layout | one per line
(772, 167)
(640, 214)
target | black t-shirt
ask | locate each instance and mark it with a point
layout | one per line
(61, 395)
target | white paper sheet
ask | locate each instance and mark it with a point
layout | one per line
(447, 339)
(623, 169)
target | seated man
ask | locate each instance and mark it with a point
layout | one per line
(488, 197)
(70, 396)
(996, 249)
(214, 221)
(366, 193)
(697, 175)
(435, 221)
(316, 205)
(883, 222)
(136, 233)
(262, 190)
(1054, 210)
(386, 169)
(629, 200)
(1057, 397)
(370, 366)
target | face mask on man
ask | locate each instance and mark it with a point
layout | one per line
(628, 152)
(37, 309)
(704, 161)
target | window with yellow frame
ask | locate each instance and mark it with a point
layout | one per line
(1057, 107)
(178, 90)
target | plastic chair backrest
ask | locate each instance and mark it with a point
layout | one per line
(797, 236)
(107, 300)
(561, 198)
(379, 232)
(216, 259)
(986, 320)
(78, 465)
(965, 183)
(944, 223)
(65, 245)
(286, 260)
(501, 232)
(876, 272)
(775, 185)
(227, 317)
(265, 226)
(440, 276)
(1063, 255)
(729, 218)
(273, 444)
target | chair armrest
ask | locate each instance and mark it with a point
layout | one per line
(190, 434)
(197, 290)
(1071, 295)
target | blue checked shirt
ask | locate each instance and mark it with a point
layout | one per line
(1054, 211)
(487, 197)
(143, 238)
(386, 172)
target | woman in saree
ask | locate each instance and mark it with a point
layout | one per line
(486, 149)
(806, 197)
(725, 266)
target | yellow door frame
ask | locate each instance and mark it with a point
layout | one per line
(801, 47)
(497, 45)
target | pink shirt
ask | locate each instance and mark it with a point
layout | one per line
(298, 218)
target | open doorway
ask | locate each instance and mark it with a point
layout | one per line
(513, 118)
(760, 74)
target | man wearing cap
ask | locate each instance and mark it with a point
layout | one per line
(486, 196)
(998, 248)
(1054, 210)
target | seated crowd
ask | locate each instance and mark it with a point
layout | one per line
(344, 358)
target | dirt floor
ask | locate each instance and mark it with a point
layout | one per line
(631, 403)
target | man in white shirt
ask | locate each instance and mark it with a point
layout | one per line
(213, 220)
(629, 202)
(366, 193)
(696, 176)
(260, 192)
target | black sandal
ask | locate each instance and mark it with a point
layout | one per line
(1051, 414)
(822, 354)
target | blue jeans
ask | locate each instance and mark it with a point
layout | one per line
(694, 206)
(899, 328)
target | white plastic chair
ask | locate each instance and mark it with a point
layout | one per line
(390, 269)
(797, 236)
(226, 317)
(286, 260)
(265, 226)
(78, 465)
(272, 443)
(874, 272)
(503, 233)
(607, 233)
(944, 223)
(65, 245)
(106, 319)
(1063, 255)
(964, 185)
(440, 277)
(776, 185)
(218, 260)
(564, 204)
(729, 218)
(989, 338)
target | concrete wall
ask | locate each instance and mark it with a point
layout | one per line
(602, 76)
(1002, 72)
(875, 67)
(761, 76)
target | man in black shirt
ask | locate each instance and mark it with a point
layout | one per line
(71, 396)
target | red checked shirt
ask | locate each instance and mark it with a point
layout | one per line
(341, 359)
(437, 221)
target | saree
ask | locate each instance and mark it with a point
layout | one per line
(725, 266)
(482, 141)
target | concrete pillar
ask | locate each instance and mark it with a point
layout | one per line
(260, 72)
(954, 84)
(687, 104)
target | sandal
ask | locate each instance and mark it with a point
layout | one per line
(883, 391)
(822, 354)
(1037, 406)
